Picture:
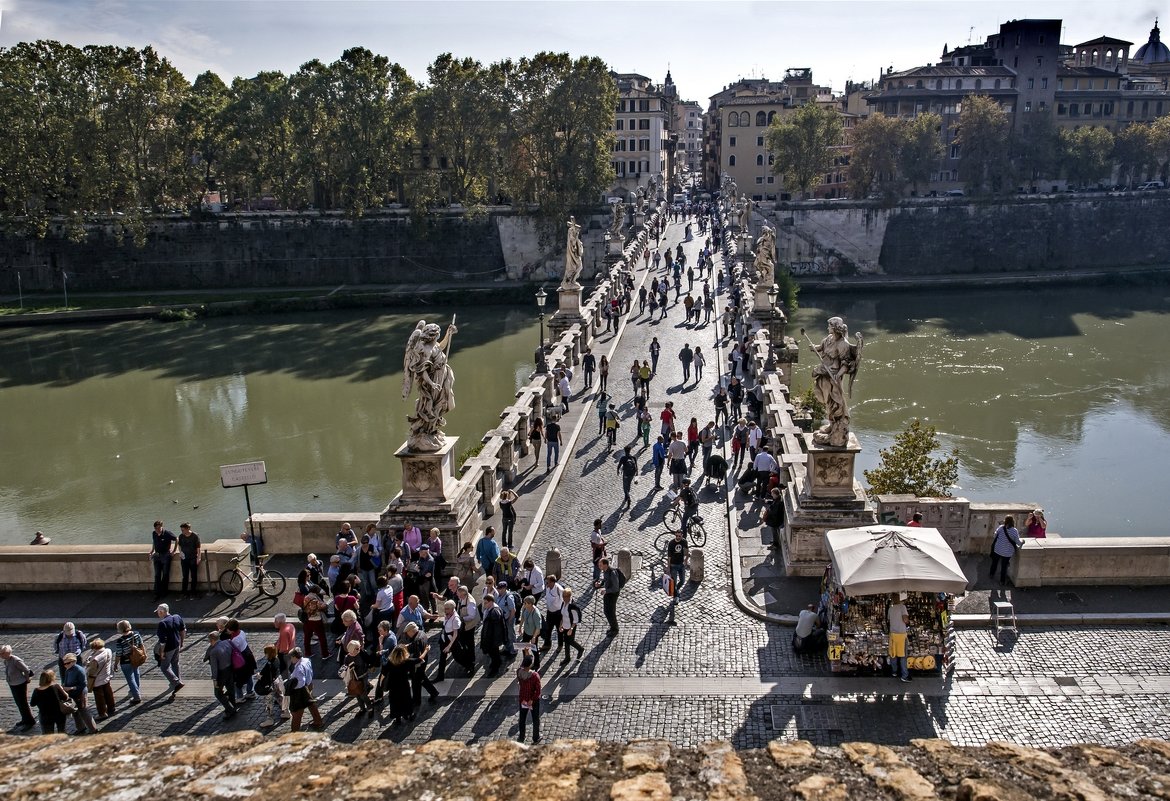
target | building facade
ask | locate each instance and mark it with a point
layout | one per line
(688, 123)
(644, 136)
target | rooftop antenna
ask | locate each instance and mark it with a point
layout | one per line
(970, 33)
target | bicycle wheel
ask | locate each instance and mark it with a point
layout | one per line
(672, 519)
(698, 534)
(660, 541)
(231, 583)
(272, 583)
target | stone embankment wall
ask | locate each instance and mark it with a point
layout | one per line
(959, 236)
(285, 250)
(312, 765)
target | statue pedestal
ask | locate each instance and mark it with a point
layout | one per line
(613, 247)
(639, 219)
(432, 497)
(569, 300)
(822, 497)
(762, 309)
(569, 314)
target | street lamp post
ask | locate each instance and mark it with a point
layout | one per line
(541, 366)
(773, 295)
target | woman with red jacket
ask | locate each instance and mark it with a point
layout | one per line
(530, 688)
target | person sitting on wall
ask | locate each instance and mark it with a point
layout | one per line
(809, 637)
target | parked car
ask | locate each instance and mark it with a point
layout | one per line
(1151, 185)
(955, 193)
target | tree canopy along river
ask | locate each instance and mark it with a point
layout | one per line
(1053, 396)
(106, 428)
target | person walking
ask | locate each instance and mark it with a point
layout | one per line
(552, 435)
(692, 443)
(698, 361)
(554, 602)
(686, 356)
(899, 619)
(300, 691)
(1004, 547)
(570, 619)
(739, 443)
(355, 666)
(190, 555)
(99, 672)
(162, 548)
(531, 625)
(676, 561)
(667, 418)
(51, 702)
(508, 499)
(603, 372)
(508, 602)
(18, 675)
(528, 680)
(735, 394)
(171, 632)
(491, 634)
(627, 468)
(400, 670)
(676, 452)
(271, 686)
(70, 640)
(659, 460)
(589, 365)
(610, 584)
(597, 545)
(707, 443)
(448, 643)
(75, 683)
(655, 350)
(644, 423)
(415, 640)
(721, 401)
(487, 551)
(223, 683)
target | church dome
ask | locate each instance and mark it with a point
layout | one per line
(1153, 51)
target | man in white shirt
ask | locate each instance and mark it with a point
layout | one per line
(764, 465)
(531, 580)
(809, 637)
(553, 601)
(565, 390)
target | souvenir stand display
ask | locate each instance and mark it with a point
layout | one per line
(871, 566)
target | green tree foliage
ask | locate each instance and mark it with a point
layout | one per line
(1133, 150)
(906, 467)
(1036, 150)
(921, 148)
(891, 152)
(984, 133)
(1088, 154)
(801, 144)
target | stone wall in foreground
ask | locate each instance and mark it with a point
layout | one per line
(120, 767)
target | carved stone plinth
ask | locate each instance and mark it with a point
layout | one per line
(639, 219)
(432, 497)
(763, 305)
(569, 300)
(830, 470)
(613, 248)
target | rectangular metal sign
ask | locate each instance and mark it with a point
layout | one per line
(242, 475)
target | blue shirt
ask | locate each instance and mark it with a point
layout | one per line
(659, 454)
(170, 632)
(302, 673)
(487, 550)
(407, 615)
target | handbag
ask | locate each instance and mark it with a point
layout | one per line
(137, 654)
(237, 659)
(66, 704)
(299, 599)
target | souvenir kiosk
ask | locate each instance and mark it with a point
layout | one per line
(870, 567)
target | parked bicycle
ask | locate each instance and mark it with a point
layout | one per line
(267, 582)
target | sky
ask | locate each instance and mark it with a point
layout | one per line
(706, 45)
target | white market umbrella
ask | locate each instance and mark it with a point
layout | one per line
(878, 559)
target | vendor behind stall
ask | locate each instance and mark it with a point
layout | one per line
(899, 616)
(809, 637)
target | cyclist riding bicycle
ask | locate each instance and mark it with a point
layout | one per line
(690, 501)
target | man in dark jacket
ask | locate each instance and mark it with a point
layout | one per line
(219, 657)
(491, 635)
(610, 584)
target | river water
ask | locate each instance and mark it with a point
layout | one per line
(1059, 397)
(104, 429)
(1053, 396)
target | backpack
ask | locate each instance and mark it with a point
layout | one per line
(621, 578)
(629, 467)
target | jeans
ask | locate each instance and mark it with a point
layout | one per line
(679, 574)
(658, 474)
(686, 371)
(169, 667)
(225, 691)
(369, 579)
(1002, 561)
(535, 721)
(588, 378)
(162, 575)
(609, 602)
(899, 667)
(627, 481)
(602, 379)
(133, 681)
(553, 454)
(248, 685)
(190, 575)
(507, 530)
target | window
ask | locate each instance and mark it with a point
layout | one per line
(759, 179)
(918, 84)
(1039, 61)
(978, 84)
(1043, 83)
(761, 119)
(1043, 106)
(1041, 39)
(771, 179)
(759, 141)
(771, 159)
(731, 141)
(1061, 109)
(1145, 108)
(1129, 109)
(771, 117)
(633, 167)
(1158, 109)
(644, 104)
(760, 161)
(938, 84)
(997, 83)
(1031, 83)
(644, 125)
(959, 83)
(620, 124)
(1027, 105)
(733, 120)
(1074, 109)
(955, 150)
(745, 119)
(1016, 62)
(1107, 109)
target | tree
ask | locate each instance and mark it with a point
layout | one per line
(907, 468)
(984, 130)
(873, 162)
(801, 144)
(921, 148)
(1087, 154)
(1036, 149)
(1133, 150)
(199, 121)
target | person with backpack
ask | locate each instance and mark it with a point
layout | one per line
(611, 583)
(70, 640)
(627, 468)
(612, 421)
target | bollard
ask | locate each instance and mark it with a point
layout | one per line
(696, 565)
(625, 562)
(552, 563)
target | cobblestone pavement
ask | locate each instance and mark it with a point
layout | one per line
(717, 673)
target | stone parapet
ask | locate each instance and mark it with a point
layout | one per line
(25, 568)
(248, 764)
(1063, 561)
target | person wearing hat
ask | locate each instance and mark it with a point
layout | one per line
(41, 539)
(76, 686)
(70, 640)
(171, 631)
(426, 577)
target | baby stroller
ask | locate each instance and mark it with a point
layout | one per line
(715, 472)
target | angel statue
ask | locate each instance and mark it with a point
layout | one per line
(745, 213)
(839, 358)
(574, 254)
(426, 365)
(619, 219)
(766, 256)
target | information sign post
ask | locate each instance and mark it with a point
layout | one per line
(245, 475)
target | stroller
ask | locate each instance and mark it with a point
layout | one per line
(715, 472)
